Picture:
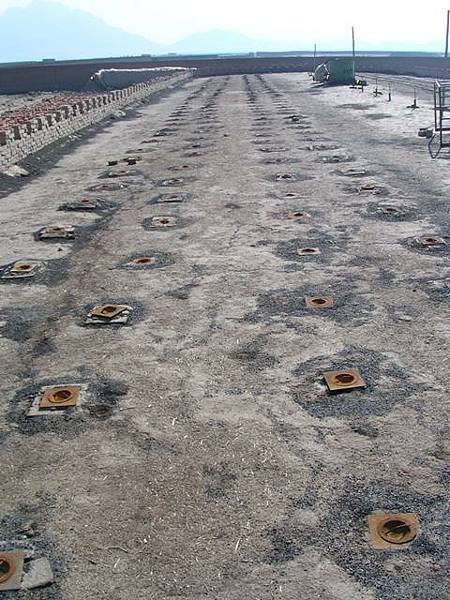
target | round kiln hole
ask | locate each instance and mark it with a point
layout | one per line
(60, 396)
(6, 568)
(344, 378)
(396, 531)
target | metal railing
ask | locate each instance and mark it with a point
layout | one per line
(441, 117)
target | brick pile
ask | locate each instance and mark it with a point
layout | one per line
(27, 131)
(37, 109)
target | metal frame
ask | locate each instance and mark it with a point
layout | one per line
(441, 116)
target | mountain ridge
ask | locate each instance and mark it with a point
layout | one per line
(66, 33)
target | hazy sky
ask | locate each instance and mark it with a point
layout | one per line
(384, 23)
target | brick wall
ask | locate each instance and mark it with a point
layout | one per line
(19, 141)
(74, 75)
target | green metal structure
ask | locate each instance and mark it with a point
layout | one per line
(337, 71)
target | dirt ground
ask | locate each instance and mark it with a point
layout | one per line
(207, 459)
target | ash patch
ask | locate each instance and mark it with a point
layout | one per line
(182, 293)
(436, 289)
(162, 260)
(28, 529)
(50, 272)
(19, 324)
(171, 198)
(43, 346)
(287, 250)
(178, 223)
(387, 384)
(77, 234)
(263, 141)
(253, 356)
(349, 308)
(335, 158)
(415, 245)
(219, 479)
(108, 187)
(101, 206)
(342, 533)
(122, 173)
(102, 398)
(357, 188)
(143, 150)
(323, 146)
(382, 212)
(290, 177)
(281, 160)
(377, 116)
(357, 106)
(154, 445)
(174, 181)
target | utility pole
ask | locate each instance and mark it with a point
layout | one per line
(353, 48)
(446, 35)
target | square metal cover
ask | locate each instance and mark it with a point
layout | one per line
(340, 381)
(21, 269)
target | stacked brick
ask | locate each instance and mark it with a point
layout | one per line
(27, 136)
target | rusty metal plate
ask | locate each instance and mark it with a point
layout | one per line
(57, 232)
(119, 173)
(108, 311)
(170, 198)
(164, 221)
(431, 241)
(142, 261)
(392, 531)
(390, 210)
(319, 301)
(58, 397)
(11, 570)
(172, 181)
(21, 269)
(270, 149)
(341, 381)
(353, 172)
(108, 187)
(368, 187)
(54, 399)
(307, 251)
(81, 204)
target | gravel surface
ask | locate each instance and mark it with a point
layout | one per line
(207, 459)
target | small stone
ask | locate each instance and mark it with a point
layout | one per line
(119, 114)
(15, 171)
(39, 574)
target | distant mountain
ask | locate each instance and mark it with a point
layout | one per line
(50, 30)
(218, 41)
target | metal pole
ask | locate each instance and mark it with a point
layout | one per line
(353, 48)
(446, 35)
